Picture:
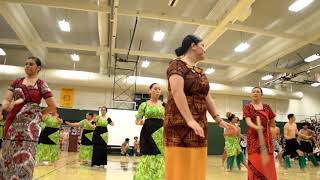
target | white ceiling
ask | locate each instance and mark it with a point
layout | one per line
(276, 35)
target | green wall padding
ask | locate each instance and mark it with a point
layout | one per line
(216, 139)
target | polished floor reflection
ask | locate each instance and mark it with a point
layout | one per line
(122, 168)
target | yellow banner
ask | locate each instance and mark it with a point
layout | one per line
(66, 97)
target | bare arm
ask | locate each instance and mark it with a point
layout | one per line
(177, 89)
(52, 107)
(141, 114)
(285, 131)
(60, 120)
(7, 103)
(177, 86)
(1, 116)
(301, 135)
(76, 124)
(212, 109)
(251, 124)
(278, 133)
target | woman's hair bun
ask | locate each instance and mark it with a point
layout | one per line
(229, 114)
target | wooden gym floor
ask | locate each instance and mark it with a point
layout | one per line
(122, 168)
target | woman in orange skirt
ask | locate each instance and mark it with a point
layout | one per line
(185, 124)
(261, 165)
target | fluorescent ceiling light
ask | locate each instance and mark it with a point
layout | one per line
(242, 47)
(64, 25)
(299, 94)
(299, 5)
(75, 57)
(316, 84)
(209, 71)
(267, 77)
(2, 53)
(145, 64)
(158, 35)
(312, 58)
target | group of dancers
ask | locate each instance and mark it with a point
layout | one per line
(173, 139)
(297, 144)
(94, 138)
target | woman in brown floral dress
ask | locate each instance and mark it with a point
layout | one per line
(185, 124)
(21, 128)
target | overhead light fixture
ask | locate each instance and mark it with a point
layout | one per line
(299, 94)
(64, 25)
(315, 84)
(75, 57)
(158, 35)
(312, 58)
(299, 5)
(267, 77)
(173, 3)
(2, 53)
(209, 71)
(145, 64)
(242, 47)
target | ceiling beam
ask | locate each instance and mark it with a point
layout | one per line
(98, 51)
(16, 17)
(172, 56)
(103, 37)
(277, 48)
(114, 21)
(63, 4)
(11, 42)
(70, 46)
(242, 6)
(91, 7)
(295, 46)
(113, 31)
(217, 12)
(151, 54)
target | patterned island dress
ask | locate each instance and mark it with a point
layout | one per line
(86, 146)
(257, 170)
(21, 132)
(48, 148)
(151, 163)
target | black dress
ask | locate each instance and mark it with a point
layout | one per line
(100, 140)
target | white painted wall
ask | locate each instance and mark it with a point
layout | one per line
(91, 98)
